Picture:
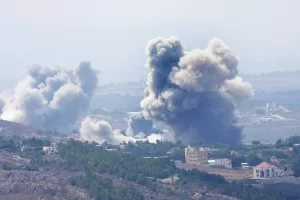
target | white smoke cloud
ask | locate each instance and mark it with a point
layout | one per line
(2, 103)
(52, 99)
(99, 131)
(166, 136)
(93, 129)
(238, 89)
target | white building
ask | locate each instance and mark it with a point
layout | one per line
(266, 170)
(196, 156)
(245, 166)
(221, 163)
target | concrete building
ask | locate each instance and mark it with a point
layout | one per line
(266, 171)
(196, 156)
(220, 163)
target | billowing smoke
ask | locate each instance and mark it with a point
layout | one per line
(138, 124)
(93, 129)
(195, 91)
(2, 103)
(101, 131)
(52, 99)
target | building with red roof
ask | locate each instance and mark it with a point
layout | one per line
(266, 171)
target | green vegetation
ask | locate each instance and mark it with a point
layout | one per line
(32, 148)
(92, 158)
(252, 159)
(35, 142)
(296, 166)
(147, 149)
(7, 144)
(275, 153)
(288, 142)
(95, 160)
(102, 189)
(130, 165)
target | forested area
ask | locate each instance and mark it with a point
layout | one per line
(102, 189)
(92, 158)
(95, 160)
(7, 144)
(145, 148)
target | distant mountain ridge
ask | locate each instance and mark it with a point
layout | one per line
(15, 128)
(273, 73)
(267, 82)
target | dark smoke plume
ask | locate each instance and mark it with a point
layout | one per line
(195, 91)
(137, 124)
(52, 99)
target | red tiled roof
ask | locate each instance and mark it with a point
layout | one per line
(264, 165)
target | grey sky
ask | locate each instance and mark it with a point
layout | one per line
(113, 34)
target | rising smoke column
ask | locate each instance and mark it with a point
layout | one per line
(52, 99)
(195, 91)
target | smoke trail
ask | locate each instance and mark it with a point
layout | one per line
(52, 99)
(195, 91)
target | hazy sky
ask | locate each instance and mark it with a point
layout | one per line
(113, 34)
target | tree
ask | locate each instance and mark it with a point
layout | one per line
(279, 143)
(237, 160)
(252, 159)
(255, 142)
(277, 154)
(294, 140)
(296, 167)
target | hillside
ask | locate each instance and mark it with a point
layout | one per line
(14, 128)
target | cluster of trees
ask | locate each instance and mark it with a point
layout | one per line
(103, 189)
(275, 153)
(288, 142)
(92, 158)
(295, 162)
(296, 166)
(10, 144)
(7, 144)
(33, 149)
(36, 142)
(292, 142)
(149, 149)
(160, 148)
